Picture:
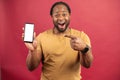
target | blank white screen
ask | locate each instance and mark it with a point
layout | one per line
(28, 35)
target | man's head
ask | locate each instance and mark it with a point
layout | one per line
(60, 12)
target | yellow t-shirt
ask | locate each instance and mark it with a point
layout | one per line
(60, 62)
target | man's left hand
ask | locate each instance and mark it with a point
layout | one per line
(76, 43)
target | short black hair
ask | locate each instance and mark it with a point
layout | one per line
(58, 3)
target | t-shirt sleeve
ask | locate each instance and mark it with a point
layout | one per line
(85, 38)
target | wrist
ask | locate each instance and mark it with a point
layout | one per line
(85, 50)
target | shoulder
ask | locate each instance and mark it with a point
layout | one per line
(44, 34)
(47, 32)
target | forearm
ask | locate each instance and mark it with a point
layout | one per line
(86, 58)
(33, 60)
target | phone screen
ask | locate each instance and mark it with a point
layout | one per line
(29, 32)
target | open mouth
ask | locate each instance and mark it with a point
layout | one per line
(61, 25)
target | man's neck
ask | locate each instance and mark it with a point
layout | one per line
(55, 31)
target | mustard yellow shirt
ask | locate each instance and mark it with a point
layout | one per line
(60, 62)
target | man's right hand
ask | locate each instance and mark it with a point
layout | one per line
(31, 46)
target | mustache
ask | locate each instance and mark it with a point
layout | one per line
(61, 22)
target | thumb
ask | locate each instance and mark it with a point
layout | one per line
(35, 44)
(34, 35)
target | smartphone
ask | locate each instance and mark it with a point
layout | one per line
(29, 32)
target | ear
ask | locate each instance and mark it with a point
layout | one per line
(51, 16)
(70, 14)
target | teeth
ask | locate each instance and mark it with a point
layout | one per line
(61, 23)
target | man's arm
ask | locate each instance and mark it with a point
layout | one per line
(83, 49)
(34, 55)
(33, 60)
(86, 58)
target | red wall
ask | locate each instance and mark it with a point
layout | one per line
(100, 19)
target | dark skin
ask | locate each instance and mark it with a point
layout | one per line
(79, 45)
(61, 20)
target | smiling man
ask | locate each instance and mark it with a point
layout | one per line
(62, 50)
(61, 17)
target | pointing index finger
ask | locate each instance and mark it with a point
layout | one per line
(70, 36)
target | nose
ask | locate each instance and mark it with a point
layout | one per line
(60, 18)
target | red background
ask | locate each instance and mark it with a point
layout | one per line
(100, 19)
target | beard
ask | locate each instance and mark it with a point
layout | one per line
(62, 27)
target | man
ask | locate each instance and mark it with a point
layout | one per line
(62, 50)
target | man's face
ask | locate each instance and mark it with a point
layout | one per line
(61, 17)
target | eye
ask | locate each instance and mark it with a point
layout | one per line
(64, 14)
(56, 15)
